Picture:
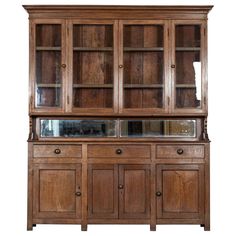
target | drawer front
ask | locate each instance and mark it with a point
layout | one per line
(119, 151)
(57, 150)
(180, 151)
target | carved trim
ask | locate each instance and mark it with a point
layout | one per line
(32, 135)
(205, 134)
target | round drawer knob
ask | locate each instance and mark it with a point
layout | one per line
(118, 151)
(158, 194)
(180, 151)
(78, 194)
(121, 186)
(57, 151)
(121, 66)
(63, 66)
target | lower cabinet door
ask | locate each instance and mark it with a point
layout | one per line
(57, 191)
(180, 191)
(134, 191)
(102, 191)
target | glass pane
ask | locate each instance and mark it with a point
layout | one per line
(77, 128)
(93, 66)
(95, 36)
(142, 36)
(158, 128)
(48, 35)
(188, 36)
(143, 98)
(188, 66)
(48, 66)
(143, 66)
(93, 98)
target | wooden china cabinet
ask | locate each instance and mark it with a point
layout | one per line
(118, 115)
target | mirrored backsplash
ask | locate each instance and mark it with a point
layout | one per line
(77, 128)
(124, 128)
(158, 128)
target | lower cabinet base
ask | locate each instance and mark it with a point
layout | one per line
(84, 227)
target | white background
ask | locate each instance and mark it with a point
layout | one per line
(14, 123)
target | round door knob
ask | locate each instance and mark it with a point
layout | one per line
(180, 151)
(158, 194)
(118, 151)
(172, 66)
(63, 65)
(121, 66)
(121, 186)
(57, 151)
(78, 194)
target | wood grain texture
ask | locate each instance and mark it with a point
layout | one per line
(55, 188)
(118, 65)
(182, 191)
(102, 191)
(134, 191)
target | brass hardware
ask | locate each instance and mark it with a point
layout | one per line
(172, 66)
(78, 194)
(118, 151)
(121, 186)
(121, 66)
(180, 151)
(158, 194)
(63, 66)
(57, 151)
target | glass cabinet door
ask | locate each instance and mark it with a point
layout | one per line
(188, 67)
(93, 59)
(49, 66)
(143, 66)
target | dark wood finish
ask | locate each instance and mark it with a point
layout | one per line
(180, 191)
(134, 191)
(102, 191)
(180, 151)
(60, 150)
(57, 191)
(117, 62)
(119, 151)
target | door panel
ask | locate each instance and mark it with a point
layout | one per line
(180, 191)
(94, 82)
(134, 191)
(102, 191)
(188, 67)
(57, 191)
(142, 61)
(48, 70)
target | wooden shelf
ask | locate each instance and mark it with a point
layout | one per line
(153, 49)
(143, 86)
(48, 48)
(185, 86)
(88, 49)
(180, 49)
(93, 86)
(48, 85)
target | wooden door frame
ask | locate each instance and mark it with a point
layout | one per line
(56, 215)
(32, 68)
(203, 56)
(166, 92)
(92, 111)
(159, 187)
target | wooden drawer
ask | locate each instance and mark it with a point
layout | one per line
(119, 151)
(54, 150)
(180, 151)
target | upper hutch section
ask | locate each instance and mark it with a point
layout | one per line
(102, 60)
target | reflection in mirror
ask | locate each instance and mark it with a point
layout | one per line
(158, 128)
(77, 128)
